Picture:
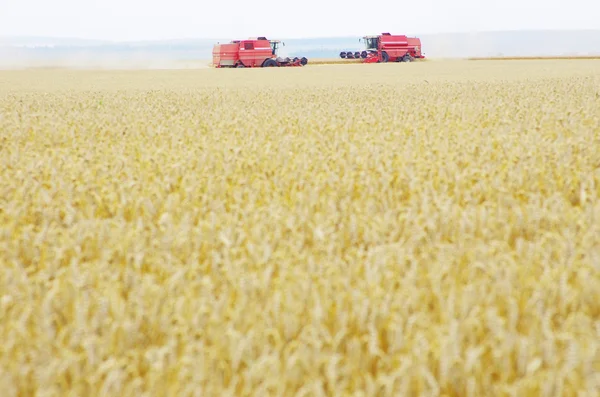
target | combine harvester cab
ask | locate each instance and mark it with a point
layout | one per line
(387, 48)
(252, 53)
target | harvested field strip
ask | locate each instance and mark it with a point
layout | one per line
(540, 58)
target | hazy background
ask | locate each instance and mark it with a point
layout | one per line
(181, 33)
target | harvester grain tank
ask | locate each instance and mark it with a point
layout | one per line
(252, 53)
(387, 48)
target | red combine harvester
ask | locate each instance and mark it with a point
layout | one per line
(252, 53)
(387, 47)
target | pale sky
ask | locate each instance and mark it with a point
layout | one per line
(155, 19)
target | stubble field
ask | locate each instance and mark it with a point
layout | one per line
(345, 230)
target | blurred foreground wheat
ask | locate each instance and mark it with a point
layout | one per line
(390, 230)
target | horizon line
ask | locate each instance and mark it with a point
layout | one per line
(183, 38)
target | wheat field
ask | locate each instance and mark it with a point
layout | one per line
(424, 229)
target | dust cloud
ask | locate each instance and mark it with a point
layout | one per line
(11, 59)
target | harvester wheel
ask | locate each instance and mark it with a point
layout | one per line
(269, 63)
(240, 65)
(357, 55)
(304, 61)
(363, 54)
(342, 55)
(385, 57)
(408, 58)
